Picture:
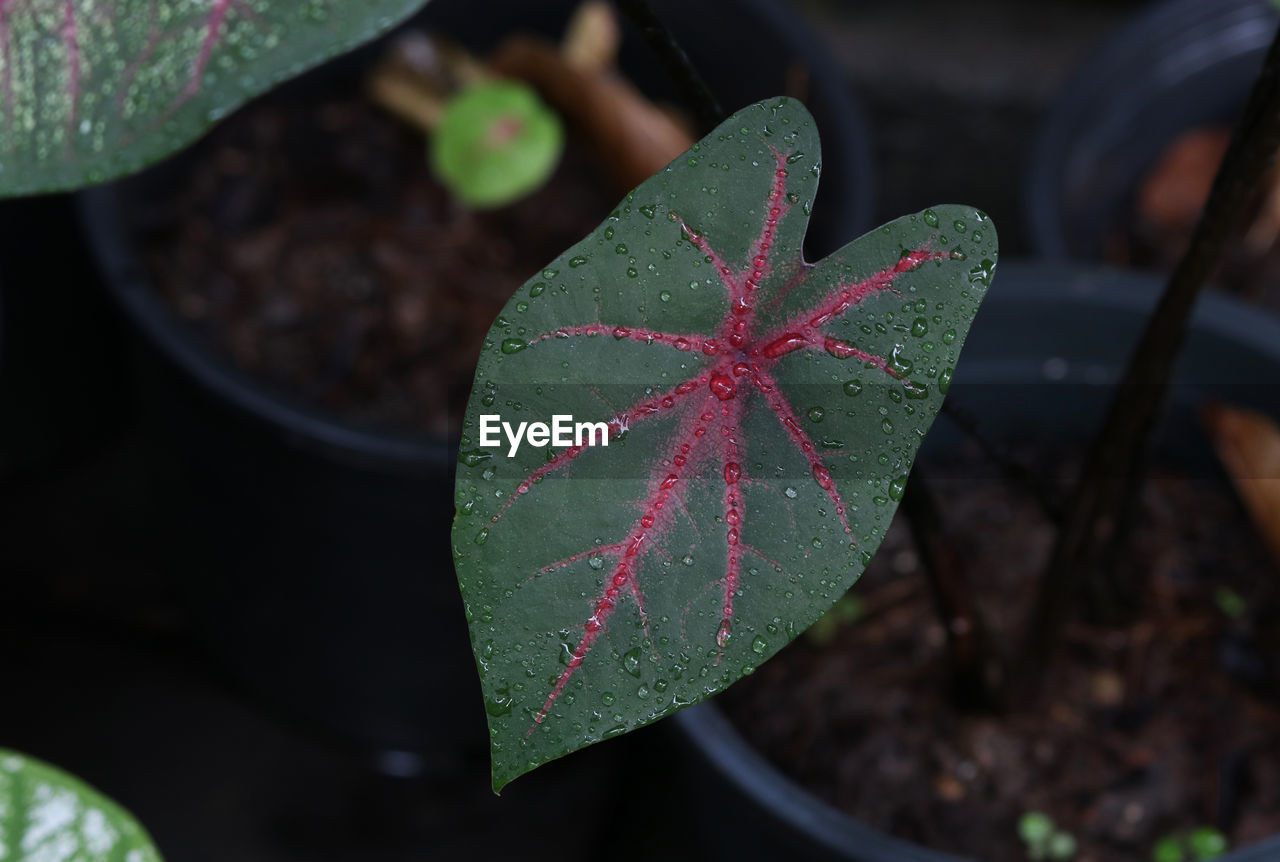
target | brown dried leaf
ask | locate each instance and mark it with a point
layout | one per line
(1176, 189)
(591, 40)
(632, 136)
(1249, 445)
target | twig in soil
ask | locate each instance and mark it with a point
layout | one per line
(675, 61)
(976, 674)
(1014, 471)
(1120, 449)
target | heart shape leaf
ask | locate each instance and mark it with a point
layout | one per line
(91, 90)
(762, 414)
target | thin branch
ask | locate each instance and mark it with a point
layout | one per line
(1014, 471)
(976, 673)
(662, 42)
(1120, 449)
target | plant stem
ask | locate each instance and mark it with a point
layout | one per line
(976, 675)
(1119, 450)
(1014, 471)
(662, 42)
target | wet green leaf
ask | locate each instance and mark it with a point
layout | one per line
(47, 814)
(762, 417)
(91, 90)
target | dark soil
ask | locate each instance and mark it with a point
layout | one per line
(307, 241)
(1168, 722)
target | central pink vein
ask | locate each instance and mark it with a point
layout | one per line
(710, 406)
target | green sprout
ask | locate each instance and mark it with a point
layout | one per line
(847, 610)
(1044, 840)
(1198, 845)
(496, 142)
(1231, 603)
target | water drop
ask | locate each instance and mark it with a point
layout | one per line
(898, 487)
(898, 362)
(513, 345)
(631, 662)
(499, 703)
(982, 273)
(759, 645)
(915, 390)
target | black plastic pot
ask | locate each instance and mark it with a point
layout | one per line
(1175, 66)
(63, 386)
(316, 553)
(1049, 340)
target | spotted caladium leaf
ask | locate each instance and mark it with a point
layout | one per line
(47, 814)
(93, 89)
(762, 414)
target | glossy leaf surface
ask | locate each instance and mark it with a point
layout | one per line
(763, 413)
(93, 89)
(47, 814)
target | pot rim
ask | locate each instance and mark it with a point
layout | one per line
(1187, 28)
(710, 731)
(99, 207)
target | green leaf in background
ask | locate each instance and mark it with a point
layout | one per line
(93, 89)
(1207, 843)
(762, 415)
(496, 142)
(47, 814)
